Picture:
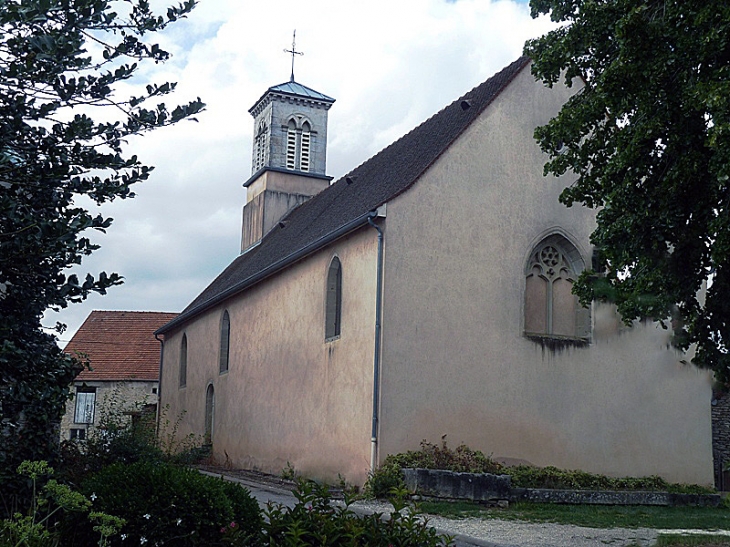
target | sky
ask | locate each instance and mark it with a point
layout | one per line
(389, 64)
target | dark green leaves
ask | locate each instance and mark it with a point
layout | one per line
(648, 136)
(58, 60)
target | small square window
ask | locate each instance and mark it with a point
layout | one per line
(76, 434)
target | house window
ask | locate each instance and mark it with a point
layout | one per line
(209, 410)
(85, 401)
(225, 341)
(77, 434)
(551, 309)
(333, 306)
(183, 361)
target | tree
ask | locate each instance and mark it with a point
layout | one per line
(60, 61)
(648, 136)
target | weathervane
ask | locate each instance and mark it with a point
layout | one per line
(293, 52)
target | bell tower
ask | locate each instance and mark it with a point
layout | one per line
(289, 155)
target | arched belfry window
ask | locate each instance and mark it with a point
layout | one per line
(551, 309)
(298, 144)
(333, 306)
(184, 361)
(304, 148)
(209, 411)
(262, 146)
(225, 342)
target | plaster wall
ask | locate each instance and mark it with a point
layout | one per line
(455, 360)
(288, 395)
(111, 398)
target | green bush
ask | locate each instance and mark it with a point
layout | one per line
(388, 477)
(315, 521)
(165, 503)
(463, 459)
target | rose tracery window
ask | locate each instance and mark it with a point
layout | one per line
(551, 309)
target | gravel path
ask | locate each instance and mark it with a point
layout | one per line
(469, 531)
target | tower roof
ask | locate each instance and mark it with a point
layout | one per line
(295, 88)
(292, 89)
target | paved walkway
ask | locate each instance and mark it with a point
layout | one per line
(471, 532)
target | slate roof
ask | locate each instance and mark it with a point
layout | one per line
(295, 88)
(345, 205)
(120, 345)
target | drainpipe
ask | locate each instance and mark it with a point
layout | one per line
(159, 381)
(376, 358)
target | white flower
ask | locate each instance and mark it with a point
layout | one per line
(92, 497)
(143, 540)
(147, 516)
(179, 521)
(124, 536)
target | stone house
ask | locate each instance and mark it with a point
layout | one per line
(124, 377)
(427, 292)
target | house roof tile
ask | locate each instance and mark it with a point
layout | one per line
(342, 204)
(120, 345)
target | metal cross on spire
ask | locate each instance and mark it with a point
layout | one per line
(293, 52)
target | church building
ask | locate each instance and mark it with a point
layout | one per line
(425, 293)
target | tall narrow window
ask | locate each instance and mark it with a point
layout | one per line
(225, 341)
(551, 309)
(184, 361)
(262, 149)
(333, 310)
(209, 411)
(85, 403)
(305, 148)
(291, 145)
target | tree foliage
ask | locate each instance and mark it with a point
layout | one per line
(60, 62)
(648, 136)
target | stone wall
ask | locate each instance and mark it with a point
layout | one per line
(721, 439)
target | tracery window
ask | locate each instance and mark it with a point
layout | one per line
(333, 306)
(551, 309)
(225, 340)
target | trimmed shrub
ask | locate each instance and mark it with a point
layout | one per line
(168, 504)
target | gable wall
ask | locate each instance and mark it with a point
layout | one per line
(455, 361)
(288, 396)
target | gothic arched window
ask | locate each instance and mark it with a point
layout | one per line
(551, 309)
(333, 306)
(183, 361)
(225, 342)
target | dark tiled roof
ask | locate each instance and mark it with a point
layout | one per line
(120, 345)
(347, 202)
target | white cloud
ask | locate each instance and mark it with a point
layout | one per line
(389, 65)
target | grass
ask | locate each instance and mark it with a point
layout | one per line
(676, 540)
(593, 516)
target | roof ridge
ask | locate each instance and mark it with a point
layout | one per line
(350, 198)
